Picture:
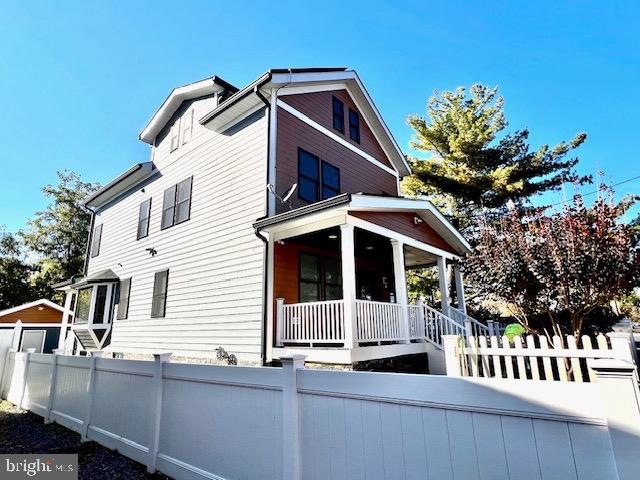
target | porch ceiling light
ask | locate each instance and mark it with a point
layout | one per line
(369, 247)
(333, 236)
(417, 220)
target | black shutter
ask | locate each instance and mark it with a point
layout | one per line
(159, 300)
(123, 302)
(183, 201)
(143, 219)
(95, 242)
(168, 207)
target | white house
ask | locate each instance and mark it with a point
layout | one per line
(197, 249)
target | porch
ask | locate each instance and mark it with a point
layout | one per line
(338, 282)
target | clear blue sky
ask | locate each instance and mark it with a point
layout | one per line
(78, 80)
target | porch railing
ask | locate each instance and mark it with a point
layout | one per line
(473, 327)
(311, 322)
(430, 324)
(379, 321)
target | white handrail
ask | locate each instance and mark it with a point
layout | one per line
(379, 321)
(313, 322)
(477, 329)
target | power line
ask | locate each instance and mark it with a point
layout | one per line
(596, 191)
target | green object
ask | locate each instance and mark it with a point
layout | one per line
(514, 330)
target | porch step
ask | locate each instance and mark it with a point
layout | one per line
(86, 340)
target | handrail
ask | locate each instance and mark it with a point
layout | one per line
(477, 328)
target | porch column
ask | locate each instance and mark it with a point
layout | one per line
(62, 338)
(444, 288)
(347, 250)
(460, 289)
(400, 279)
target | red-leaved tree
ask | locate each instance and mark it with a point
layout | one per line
(554, 271)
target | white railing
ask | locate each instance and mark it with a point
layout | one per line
(311, 322)
(379, 321)
(429, 324)
(473, 327)
(533, 358)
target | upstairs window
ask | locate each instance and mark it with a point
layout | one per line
(354, 126)
(176, 205)
(159, 301)
(187, 126)
(83, 305)
(308, 176)
(316, 180)
(175, 135)
(123, 300)
(101, 304)
(330, 180)
(95, 241)
(143, 219)
(338, 115)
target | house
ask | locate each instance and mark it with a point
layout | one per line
(35, 325)
(268, 220)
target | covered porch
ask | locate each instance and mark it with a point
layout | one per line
(338, 285)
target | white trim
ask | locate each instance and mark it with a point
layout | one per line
(372, 227)
(27, 325)
(270, 273)
(297, 90)
(24, 306)
(301, 116)
(317, 222)
(273, 144)
(241, 117)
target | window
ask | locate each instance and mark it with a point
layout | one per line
(330, 180)
(338, 115)
(308, 176)
(143, 219)
(320, 278)
(159, 301)
(176, 205)
(33, 339)
(123, 300)
(175, 135)
(354, 126)
(84, 305)
(95, 241)
(187, 126)
(309, 278)
(101, 304)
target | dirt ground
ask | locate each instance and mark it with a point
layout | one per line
(25, 432)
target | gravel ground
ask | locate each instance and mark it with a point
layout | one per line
(25, 432)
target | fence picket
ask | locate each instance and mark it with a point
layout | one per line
(474, 355)
(522, 368)
(560, 362)
(602, 342)
(533, 361)
(586, 343)
(508, 363)
(484, 358)
(497, 367)
(546, 361)
(576, 371)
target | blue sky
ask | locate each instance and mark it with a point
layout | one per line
(78, 80)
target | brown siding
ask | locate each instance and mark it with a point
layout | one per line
(33, 315)
(318, 107)
(356, 173)
(403, 223)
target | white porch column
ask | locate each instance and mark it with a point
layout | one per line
(65, 319)
(347, 247)
(460, 289)
(400, 279)
(444, 287)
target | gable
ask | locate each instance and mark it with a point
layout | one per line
(318, 106)
(34, 314)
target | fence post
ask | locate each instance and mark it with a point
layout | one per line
(468, 328)
(279, 320)
(291, 417)
(451, 355)
(154, 439)
(90, 389)
(52, 387)
(17, 335)
(618, 384)
(4, 370)
(25, 375)
(622, 345)
(491, 327)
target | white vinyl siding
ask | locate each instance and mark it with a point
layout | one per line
(215, 260)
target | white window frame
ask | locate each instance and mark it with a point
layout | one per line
(187, 127)
(44, 337)
(108, 308)
(175, 135)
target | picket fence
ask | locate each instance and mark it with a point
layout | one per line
(222, 422)
(533, 358)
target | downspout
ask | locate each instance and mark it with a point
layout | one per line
(265, 300)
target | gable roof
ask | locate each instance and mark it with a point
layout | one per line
(36, 303)
(256, 92)
(119, 185)
(178, 95)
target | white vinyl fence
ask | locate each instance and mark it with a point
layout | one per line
(534, 357)
(221, 422)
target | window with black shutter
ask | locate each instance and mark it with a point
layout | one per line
(123, 300)
(354, 126)
(308, 176)
(176, 204)
(159, 301)
(143, 219)
(338, 115)
(95, 241)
